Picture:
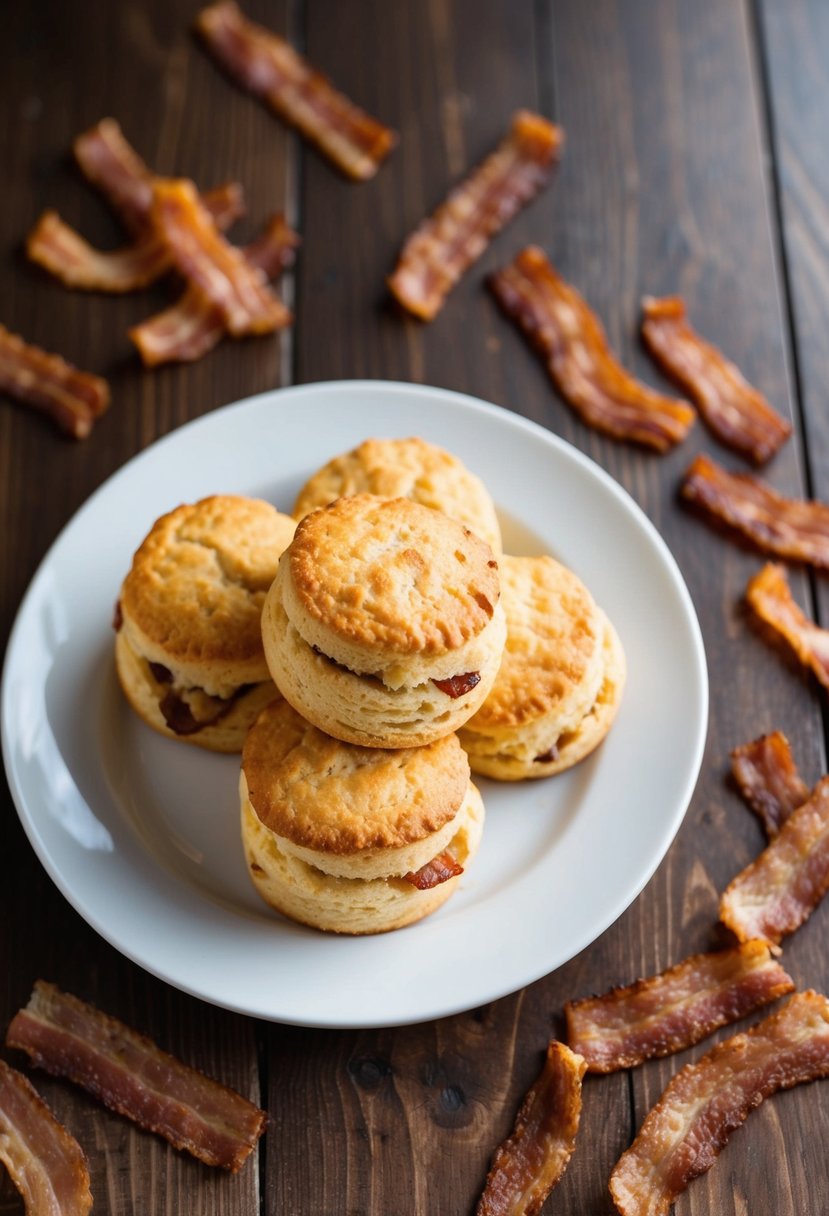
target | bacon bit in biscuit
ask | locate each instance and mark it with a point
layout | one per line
(130, 1074)
(71, 398)
(780, 889)
(690, 1124)
(571, 341)
(188, 710)
(439, 869)
(547, 757)
(768, 780)
(45, 1162)
(458, 686)
(769, 595)
(446, 244)
(160, 673)
(783, 527)
(737, 413)
(269, 67)
(530, 1162)
(675, 1009)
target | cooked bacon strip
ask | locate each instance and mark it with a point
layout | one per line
(783, 527)
(770, 597)
(45, 1163)
(62, 251)
(269, 67)
(439, 869)
(768, 780)
(115, 168)
(530, 1162)
(71, 398)
(446, 244)
(780, 889)
(737, 413)
(191, 327)
(130, 1074)
(673, 1010)
(570, 339)
(692, 1121)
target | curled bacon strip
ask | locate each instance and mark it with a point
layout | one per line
(780, 889)
(446, 244)
(736, 412)
(439, 869)
(130, 1074)
(572, 343)
(770, 597)
(112, 165)
(673, 1010)
(530, 1162)
(71, 398)
(45, 1163)
(767, 777)
(269, 67)
(784, 527)
(692, 1121)
(192, 326)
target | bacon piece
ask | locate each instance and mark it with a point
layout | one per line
(191, 327)
(114, 167)
(130, 1074)
(446, 244)
(675, 1009)
(269, 67)
(770, 597)
(768, 780)
(71, 398)
(692, 1121)
(737, 413)
(530, 1162)
(45, 1162)
(64, 253)
(783, 527)
(781, 888)
(571, 341)
(439, 869)
(458, 686)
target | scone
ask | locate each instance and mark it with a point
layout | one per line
(561, 679)
(383, 626)
(189, 647)
(353, 839)
(406, 468)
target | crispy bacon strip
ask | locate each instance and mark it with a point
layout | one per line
(446, 244)
(71, 398)
(112, 165)
(64, 253)
(45, 1162)
(571, 341)
(767, 777)
(769, 596)
(783, 527)
(673, 1010)
(530, 1162)
(130, 1074)
(439, 869)
(192, 326)
(269, 67)
(692, 1121)
(737, 413)
(780, 889)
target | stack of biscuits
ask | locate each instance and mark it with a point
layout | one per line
(364, 660)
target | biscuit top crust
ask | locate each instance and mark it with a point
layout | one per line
(199, 579)
(554, 641)
(340, 798)
(393, 576)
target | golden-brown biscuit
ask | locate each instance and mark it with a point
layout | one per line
(383, 626)
(406, 468)
(352, 839)
(189, 645)
(561, 678)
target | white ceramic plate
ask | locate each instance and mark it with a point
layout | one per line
(141, 834)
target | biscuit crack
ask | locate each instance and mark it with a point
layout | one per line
(230, 578)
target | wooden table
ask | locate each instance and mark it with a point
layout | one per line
(695, 163)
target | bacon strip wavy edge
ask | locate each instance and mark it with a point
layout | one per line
(73, 399)
(768, 780)
(769, 596)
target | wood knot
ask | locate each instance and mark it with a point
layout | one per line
(369, 1072)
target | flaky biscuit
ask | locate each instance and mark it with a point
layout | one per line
(561, 678)
(330, 830)
(383, 626)
(406, 468)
